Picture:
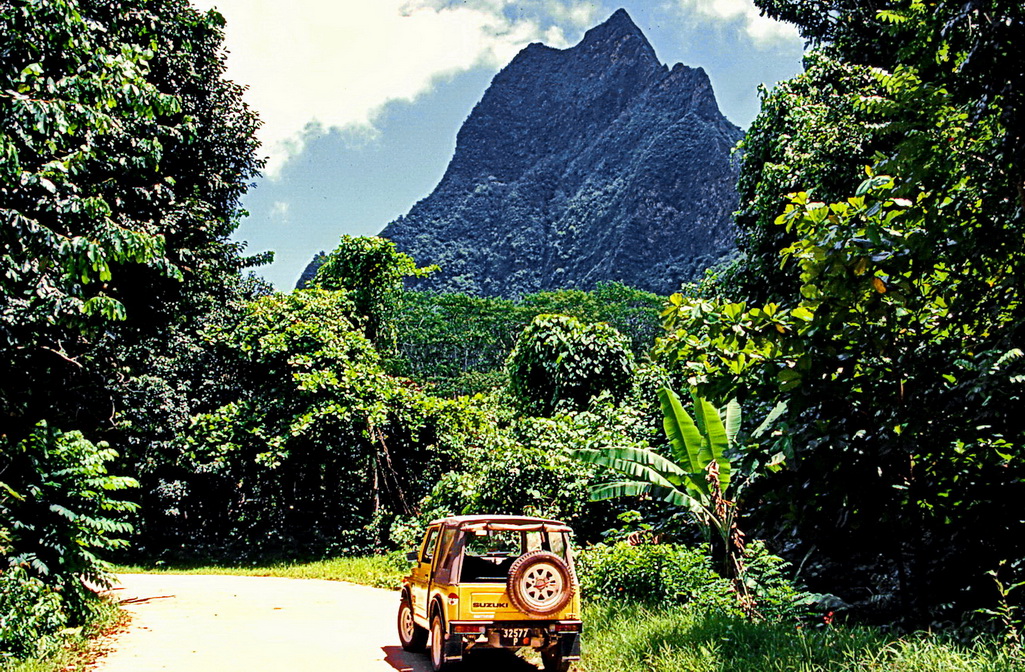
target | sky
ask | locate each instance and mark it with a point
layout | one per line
(361, 100)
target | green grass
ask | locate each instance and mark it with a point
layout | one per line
(80, 648)
(634, 638)
(379, 571)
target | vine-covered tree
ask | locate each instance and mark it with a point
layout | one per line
(558, 362)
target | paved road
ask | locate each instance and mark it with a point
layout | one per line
(260, 624)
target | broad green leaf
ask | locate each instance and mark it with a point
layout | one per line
(733, 419)
(770, 419)
(717, 442)
(683, 434)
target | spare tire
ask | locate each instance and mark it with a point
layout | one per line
(540, 583)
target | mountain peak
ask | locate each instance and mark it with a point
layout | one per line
(582, 165)
(617, 28)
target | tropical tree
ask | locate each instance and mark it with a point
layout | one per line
(371, 271)
(123, 155)
(882, 301)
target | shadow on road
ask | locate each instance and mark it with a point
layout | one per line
(492, 661)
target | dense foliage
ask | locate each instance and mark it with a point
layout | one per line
(460, 342)
(314, 444)
(123, 153)
(58, 517)
(892, 319)
(560, 363)
(878, 295)
(371, 271)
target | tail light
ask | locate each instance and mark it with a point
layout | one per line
(468, 629)
(566, 627)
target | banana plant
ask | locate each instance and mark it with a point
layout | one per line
(695, 443)
(696, 476)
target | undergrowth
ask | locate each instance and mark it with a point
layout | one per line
(630, 637)
(79, 648)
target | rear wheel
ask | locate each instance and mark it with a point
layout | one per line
(553, 662)
(437, 644)
(411, 636)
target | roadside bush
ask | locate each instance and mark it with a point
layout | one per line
(58, 519)
(31, 615)
(652, 573)
(667, 574)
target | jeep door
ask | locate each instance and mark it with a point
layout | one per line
(421, 575)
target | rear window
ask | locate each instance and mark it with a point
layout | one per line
(488, 554)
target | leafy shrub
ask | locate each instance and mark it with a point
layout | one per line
(59, 516)
(559, 362)
(654, 573)
(31, 615)
(669, 574)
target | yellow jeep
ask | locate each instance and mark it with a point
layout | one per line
(492, 582)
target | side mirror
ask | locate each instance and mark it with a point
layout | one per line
(412, 556)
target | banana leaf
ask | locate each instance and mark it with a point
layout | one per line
(684, 437)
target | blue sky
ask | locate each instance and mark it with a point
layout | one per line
(362, 99)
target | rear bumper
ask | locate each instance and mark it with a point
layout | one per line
(562, 636)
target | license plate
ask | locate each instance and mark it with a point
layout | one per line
(516, 635)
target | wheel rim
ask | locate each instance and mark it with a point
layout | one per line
(542, 585)
(406, 623)
(436, 643)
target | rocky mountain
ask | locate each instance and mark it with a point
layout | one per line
(582, 165)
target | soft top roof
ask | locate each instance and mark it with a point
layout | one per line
(503, 523)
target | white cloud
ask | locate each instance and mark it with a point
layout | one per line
(578, 15)
(762, 30)
(337, 63)
(279, 210)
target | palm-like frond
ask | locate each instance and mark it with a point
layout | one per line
(638, 463)
(684, 437)
(619, 489)
(638, 488)
(717, 441)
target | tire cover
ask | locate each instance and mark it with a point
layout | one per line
(540, 583)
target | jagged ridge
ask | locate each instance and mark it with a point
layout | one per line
(578, 166)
